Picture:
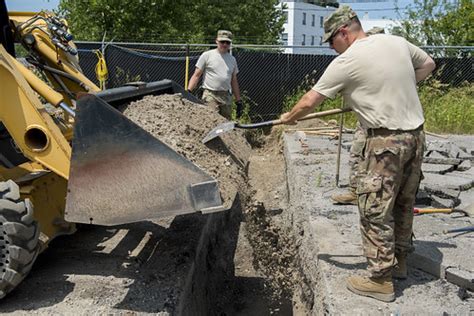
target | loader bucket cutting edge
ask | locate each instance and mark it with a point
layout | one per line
(120, 173)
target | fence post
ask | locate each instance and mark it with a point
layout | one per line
(186, 75)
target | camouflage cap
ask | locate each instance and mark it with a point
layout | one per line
(223, 35)
(375, 30)
(335, 20)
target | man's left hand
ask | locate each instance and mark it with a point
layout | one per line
(240, 108)
(284, 119)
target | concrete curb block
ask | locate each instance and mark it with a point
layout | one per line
(329, 246)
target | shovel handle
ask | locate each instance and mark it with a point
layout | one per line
(307, 117)
(324, 113)
(459, 230)
(432, 210)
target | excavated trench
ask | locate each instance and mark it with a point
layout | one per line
(242, 263)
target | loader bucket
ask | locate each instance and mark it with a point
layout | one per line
(136, 90)
(121, 174)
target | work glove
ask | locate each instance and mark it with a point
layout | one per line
(240, 108)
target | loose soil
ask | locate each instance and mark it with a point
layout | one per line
(182, 124)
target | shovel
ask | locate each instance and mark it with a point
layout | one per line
(467, 211)
(229, 126)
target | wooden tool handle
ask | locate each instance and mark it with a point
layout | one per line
(324, 113)
(432, 210)
(307, 117)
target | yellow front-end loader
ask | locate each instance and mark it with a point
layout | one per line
(67, 156)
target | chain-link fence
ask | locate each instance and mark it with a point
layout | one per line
(268, 74)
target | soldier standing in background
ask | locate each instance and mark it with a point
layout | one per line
(377, 77)
(220, 76)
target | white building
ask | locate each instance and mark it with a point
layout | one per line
(368, 23)
(381, 13)
(304, 27)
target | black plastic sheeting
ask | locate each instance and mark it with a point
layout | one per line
(265, 77)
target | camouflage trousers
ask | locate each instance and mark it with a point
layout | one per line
(356, 155)
(389, 179)
(221, 101)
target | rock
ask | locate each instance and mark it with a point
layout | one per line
(464, 165)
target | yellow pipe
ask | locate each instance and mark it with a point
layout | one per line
(186, 76)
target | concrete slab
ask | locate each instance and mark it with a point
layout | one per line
(436, 168)
(465, 142)
(330, 250)
(467, 199)
(442, 160)
(438, 202)
(464, 165)
(454, 180)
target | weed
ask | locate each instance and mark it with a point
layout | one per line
(319, 179)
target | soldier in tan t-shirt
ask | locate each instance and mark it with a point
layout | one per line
(356, 153)
(377, 77)
(220, 76)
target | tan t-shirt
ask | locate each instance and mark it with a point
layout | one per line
(218, 69)
(376, 76)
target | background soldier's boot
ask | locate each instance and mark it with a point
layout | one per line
(378, 288)
(400, 271)
(349, 197)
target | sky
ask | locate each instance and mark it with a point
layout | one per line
(379, 10)
(31, 5)
(375, 10)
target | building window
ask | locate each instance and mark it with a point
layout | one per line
(304, 18)
(312, 40)
(320, 40)
(313, 19)
(321, 21)
(284, 38)
(304, 40)
(285, 16)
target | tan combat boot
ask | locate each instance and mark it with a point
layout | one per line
(349, 197)
(400, 271)
(378, 288)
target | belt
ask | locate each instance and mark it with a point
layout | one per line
(387, 132)
(218, 92)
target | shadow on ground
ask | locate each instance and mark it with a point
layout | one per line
(154, 268)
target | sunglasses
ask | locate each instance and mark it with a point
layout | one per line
(224, 42)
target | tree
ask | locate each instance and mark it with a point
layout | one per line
(438, 23)
(174, 21)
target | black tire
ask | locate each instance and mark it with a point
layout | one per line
(19, 237)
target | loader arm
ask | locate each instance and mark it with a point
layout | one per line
(30, 125)
(51, 50)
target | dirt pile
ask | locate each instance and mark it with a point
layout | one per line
(182, 124)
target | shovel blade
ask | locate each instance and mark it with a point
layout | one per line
(218, 130)
(121, 174)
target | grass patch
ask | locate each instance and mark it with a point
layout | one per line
(448, 109)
